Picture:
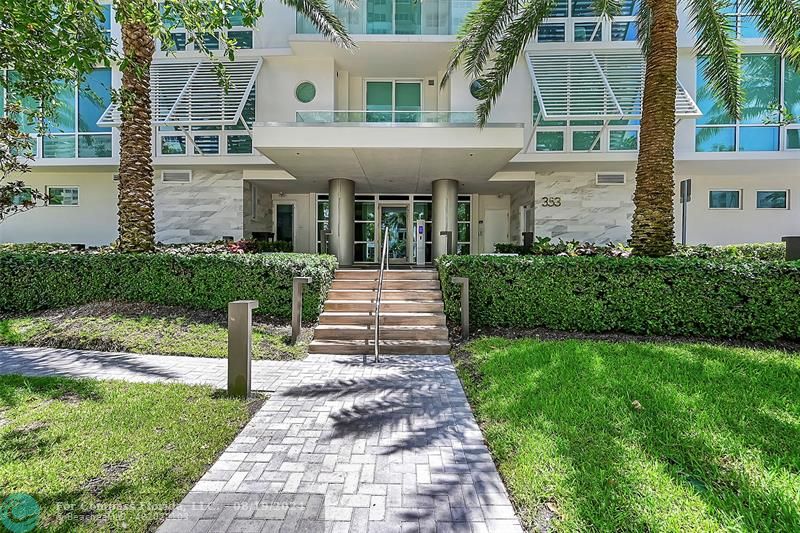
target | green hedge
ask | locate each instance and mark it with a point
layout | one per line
(33, 281)
(754, 300)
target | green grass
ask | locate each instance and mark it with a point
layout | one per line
(77, 446)
(144, 329)
(638, 437)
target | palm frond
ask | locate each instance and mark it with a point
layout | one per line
(779, 20)
(716, 44)
(516, 37)
(321, 16)
(607, 8)
(479, 34)
(643, 23)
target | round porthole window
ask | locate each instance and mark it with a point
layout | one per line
(476, 88)
(305, 92)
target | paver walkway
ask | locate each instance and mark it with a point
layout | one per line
(339, 446)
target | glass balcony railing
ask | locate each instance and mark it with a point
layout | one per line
(358, 117)
(398, 17)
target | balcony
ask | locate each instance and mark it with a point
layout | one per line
(398, 17)
(386, 117)
(386, 146)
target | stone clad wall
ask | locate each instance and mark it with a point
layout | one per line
(207, 209)
(588, 212)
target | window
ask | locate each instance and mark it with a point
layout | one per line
(772, 199)
(577, 21)
(743, 23)
(63, 196)
(716, 130)
(476, 88)
(210, 140)
(104, 23)
(791, 101)
(284, 222)
(305, 92)
(241, 35)
(364, 247)
(464, 224)
(725, 199)
(323, 217)
(73, 131)
(24, 197)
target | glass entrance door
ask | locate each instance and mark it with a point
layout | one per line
(395, 218)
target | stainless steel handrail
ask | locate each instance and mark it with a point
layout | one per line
(384, 259)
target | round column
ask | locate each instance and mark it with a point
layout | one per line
(445, 215)
(341, 200)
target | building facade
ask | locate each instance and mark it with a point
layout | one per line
(324, 147)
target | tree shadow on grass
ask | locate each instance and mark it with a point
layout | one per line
(647, 433)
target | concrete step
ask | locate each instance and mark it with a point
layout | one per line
(367, 332)
(355, 274)
(386, 294)
(388, 347)
(393, 284)
(387, 318)
(386, 305)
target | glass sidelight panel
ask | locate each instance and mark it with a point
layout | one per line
(379, 101)
(284, 223)
(407, 101)
(395, 218)
(408, 17)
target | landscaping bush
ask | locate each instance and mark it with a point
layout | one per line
(767, 251)
(756, 300)
(33, 280)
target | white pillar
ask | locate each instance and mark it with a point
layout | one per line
(341, 201)
(445, 215)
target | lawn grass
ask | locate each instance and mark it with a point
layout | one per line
(82, 447)
(145, 329)
(631, 436)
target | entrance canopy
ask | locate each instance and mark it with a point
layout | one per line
(587, 85)
(189, 93)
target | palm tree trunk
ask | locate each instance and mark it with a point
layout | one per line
(136, 218)
(653, 231)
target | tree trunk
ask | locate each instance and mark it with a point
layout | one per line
(136, 218)
(653, 231)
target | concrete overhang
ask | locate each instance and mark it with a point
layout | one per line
(389, 151)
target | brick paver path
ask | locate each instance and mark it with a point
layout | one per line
(338, 446)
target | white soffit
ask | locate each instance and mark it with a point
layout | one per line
(591, 85)
(189, 93)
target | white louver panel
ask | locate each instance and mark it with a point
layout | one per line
(594, 85)
(188, 93)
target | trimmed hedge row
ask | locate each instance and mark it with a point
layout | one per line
(32, 281)
(753, 300)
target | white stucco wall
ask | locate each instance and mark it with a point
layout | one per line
(93, 222)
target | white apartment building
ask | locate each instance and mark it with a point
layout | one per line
(315, 140)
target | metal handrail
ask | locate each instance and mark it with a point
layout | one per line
(384, 259)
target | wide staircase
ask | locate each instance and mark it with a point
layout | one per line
(411, 314)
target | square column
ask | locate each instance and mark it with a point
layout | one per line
(445, 215)
(341, 202)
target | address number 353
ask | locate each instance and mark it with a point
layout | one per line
(551, 201)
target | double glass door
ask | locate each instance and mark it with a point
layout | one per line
(394, 217)
(394, 101)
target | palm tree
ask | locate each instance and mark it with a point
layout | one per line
(141, 21)
(496, 32)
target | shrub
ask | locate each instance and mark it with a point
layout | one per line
(756, 300)
(768, 251)
(33, 281)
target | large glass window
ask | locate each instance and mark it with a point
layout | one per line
(211, 140)
(241, 35)
(577, 21)
(717, 131)
(464, 225)
(364, 248)
(772, 199)
(73, 131)
(743, 23)
(725, 199)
